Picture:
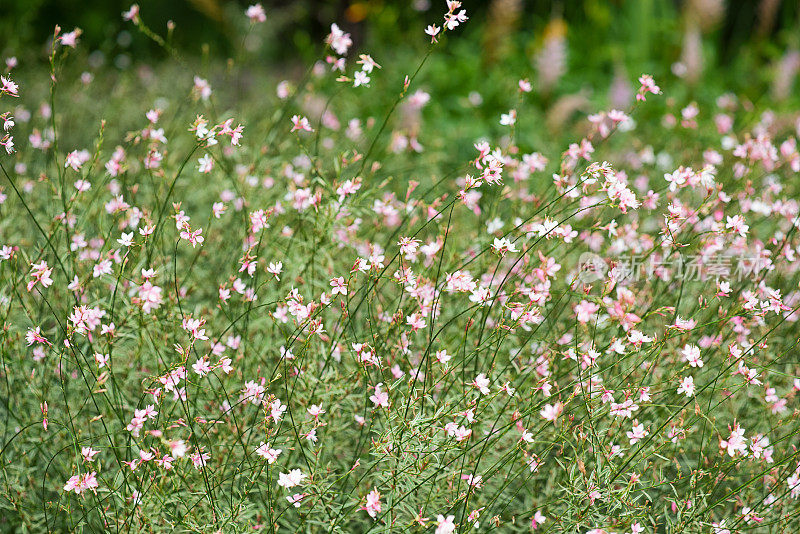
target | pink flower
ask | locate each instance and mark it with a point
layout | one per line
(132, 14)
(88, 454)
(71, 38)
(380, 398)
(636, 338)
(416, 321)
(339, 286)
(165, 462)
(300, 123)
(648, 86)
(149, 297)
(481, 383)
(687, 386)
(624, 409)
(509, 119)
(636, 433)
(339, 41)
(33, 335)
(373, 503)
(256, 13)
(40, 273)
(101, 360)
(296, 499)
(193, 237)
(291, 479)
(7, 142)
(360, 78)
(81, 483)
(199, 459)
(268, 453)
(205, 164)
(735, 444)
(737, 224)
(74, 160)
(460, 281)
(683, 325)
(432, 30)
(315, 410)
(276, 410)
(201, 366)
(235, 134)
(551, 412)
(201, 89)
(453, 19)
(691, 353)
(7, 86)
(85, 319)
(585, 310)
(445, 525)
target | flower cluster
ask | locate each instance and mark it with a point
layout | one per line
(366, 333)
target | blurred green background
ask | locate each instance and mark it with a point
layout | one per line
(729, 34)
(580, 55)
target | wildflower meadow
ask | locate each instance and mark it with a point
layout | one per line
(383, 292)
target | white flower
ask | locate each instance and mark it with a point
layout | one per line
(205, 164)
